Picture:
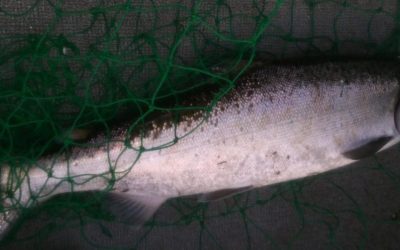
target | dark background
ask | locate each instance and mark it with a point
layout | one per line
(111, 50)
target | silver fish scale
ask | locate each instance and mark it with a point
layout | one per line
(281, 122)
(296, 121)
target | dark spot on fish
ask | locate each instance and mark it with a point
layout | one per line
(218, 156)
(221, 162)
(206, 118)
(288, 157)
(90, 153)
(241, 129)
(277, 172)
(274, 153)
(237, 105)
(201, 128)
(196, 155)
(156, 133)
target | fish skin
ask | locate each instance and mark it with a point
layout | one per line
(281, 122)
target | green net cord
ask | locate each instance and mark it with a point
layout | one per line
(68, 66)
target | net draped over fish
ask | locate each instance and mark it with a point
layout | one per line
(72, 69)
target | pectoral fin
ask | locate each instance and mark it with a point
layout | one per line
(132, 209)
(367, 148)
(222, 194)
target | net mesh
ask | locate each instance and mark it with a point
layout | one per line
(68, 68)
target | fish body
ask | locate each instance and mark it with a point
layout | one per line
(279, 123)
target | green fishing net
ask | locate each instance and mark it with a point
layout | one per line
(71, 69)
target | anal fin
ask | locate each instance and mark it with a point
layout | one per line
(367, 148)
(132, 209)
(222, 194)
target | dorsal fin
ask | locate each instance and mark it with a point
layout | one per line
(367, 148)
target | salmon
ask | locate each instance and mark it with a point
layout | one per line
(280, 122)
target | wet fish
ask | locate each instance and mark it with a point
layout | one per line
(280, 122)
